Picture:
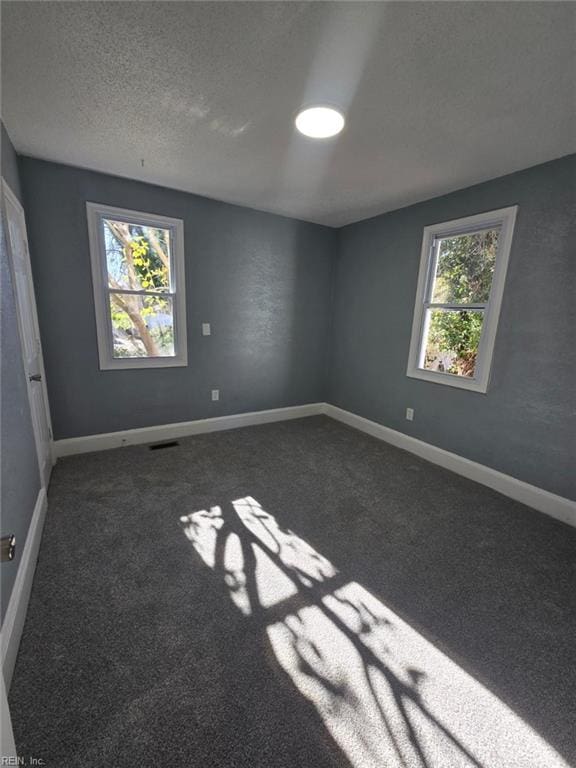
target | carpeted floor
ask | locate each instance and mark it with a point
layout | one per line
(294, 595)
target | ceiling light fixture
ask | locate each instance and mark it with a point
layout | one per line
(320, 122)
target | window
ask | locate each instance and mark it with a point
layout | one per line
(460, 286)
(138, 277)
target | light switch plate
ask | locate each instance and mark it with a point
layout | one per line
(206, 330)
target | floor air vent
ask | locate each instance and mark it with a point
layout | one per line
(158, 446)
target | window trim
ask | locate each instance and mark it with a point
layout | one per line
(95, 213)
(505, 219)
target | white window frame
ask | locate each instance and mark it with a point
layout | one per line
(504, 219)
(95, 213)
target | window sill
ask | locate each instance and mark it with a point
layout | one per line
(449, 379)
(126, 364)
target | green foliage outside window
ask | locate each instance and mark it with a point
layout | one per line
(138, 260)
(464, 272)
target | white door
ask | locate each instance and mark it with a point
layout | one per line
(17, 241)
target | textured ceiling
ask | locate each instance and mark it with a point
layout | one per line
(437, 95)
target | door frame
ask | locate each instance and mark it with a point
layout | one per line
(7, 745)
(8, 193)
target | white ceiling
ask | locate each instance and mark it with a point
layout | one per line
(437, 95)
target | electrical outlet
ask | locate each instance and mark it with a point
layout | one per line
(215, 394)
(410, 414)
(206, 330)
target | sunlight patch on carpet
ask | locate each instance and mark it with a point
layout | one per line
(387, 696)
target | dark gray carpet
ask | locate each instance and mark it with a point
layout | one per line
(152, 641)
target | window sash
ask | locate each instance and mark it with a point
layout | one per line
(141, 293)
(455, 307)
(163, 350)
(429, 306)
(503, 220)
(172, 293)
(426, 317)
(153, 223)
(155, 294)
(433, 262)
(103, 256)
(103, 291)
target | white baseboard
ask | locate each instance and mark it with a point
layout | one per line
(18, 605)
(544, 501)
(109, 440)
(556, 506)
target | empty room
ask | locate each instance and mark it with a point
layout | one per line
(288, 384)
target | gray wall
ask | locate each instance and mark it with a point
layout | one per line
(20, 478)
(262, 281)
(524, 426)
(280, 338)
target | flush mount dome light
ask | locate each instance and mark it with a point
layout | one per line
(320, 122)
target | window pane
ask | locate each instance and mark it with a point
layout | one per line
(142, 326)
(465, 267)
(451, 340)
(137, 257)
